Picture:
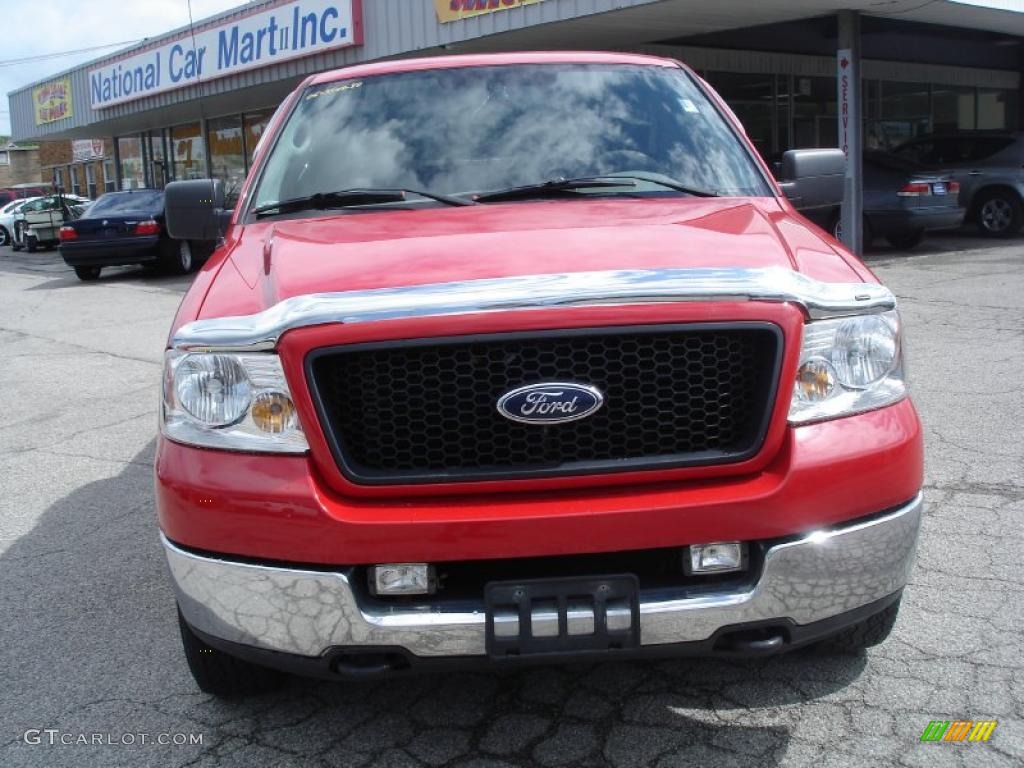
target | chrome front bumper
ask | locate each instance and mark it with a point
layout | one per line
(306, 612)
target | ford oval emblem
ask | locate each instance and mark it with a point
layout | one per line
(554, 402)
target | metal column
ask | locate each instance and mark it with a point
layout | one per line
(851, 129)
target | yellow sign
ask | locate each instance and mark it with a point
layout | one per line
(453, 10)
(52, 101)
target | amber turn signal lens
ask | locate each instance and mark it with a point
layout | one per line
(815, 381)
(273, 412)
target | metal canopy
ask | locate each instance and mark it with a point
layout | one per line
(391, 29)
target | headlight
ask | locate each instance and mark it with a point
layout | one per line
(848, 365)
(236, 402)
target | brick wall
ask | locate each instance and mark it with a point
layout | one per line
(23, 167)
(58, 154)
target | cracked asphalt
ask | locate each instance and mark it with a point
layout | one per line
(89, 644)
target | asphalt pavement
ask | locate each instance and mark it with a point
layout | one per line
(93, 674)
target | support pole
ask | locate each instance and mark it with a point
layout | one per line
(851, 129)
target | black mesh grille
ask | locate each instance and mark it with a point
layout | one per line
(425, 411)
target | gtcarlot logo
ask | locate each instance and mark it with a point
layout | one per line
(55, 736)
(959, 730)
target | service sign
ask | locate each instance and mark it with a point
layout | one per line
(52, 102)
(287, 31)
(453, 10)
(847, 96)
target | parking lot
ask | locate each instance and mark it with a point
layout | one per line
(89, 638)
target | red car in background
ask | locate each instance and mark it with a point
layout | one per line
(526, 357)
(20, 191)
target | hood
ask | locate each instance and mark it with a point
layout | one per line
(275, 260)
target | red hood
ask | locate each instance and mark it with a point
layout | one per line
(276, 260)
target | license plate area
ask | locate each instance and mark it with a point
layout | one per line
(569, 615)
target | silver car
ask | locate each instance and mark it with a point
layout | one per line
(989, 165)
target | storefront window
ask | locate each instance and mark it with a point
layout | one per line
(814, 112)
(76, 183)
(58, 178)
(189, 151)
(158, 169)
(129, 150)
(109, 177)
(255, 124)
(227, 154)
(899, 112)
(90, 180)
(953, 108)
(997, 109)
(751, 97)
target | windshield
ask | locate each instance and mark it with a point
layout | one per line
(150, 201)
(470, 130)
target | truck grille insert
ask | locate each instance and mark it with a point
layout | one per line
(424, 411)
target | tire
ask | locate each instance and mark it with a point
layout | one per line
(221, 674)
(906, 240)
(835, 228)
(999, 213)
(88, 274)
(5, 237)
(870, 632)
(178, 257)
(31, 243)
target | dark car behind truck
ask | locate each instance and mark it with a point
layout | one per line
(123, 228)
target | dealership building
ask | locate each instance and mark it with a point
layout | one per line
(194, 102)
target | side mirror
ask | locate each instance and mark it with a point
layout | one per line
(813, 178)
(194, 209)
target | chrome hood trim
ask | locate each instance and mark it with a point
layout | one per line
(262, 331)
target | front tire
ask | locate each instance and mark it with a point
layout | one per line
(1000, 213)
(836, 228)
(178, 257)
(5, 237)
(88, 274)
(223, 675)
(870, 632)
(31, 243)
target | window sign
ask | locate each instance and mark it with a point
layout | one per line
(453, 10)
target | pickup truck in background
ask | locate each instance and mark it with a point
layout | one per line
(526, 357)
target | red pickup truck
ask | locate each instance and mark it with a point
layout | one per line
(526, 357)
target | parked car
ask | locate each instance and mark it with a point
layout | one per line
(988, 165)
(7, 215)
(37, 223)
(124, 228)
(520, 357)
(902, 201)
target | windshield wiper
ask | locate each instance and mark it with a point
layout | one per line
(552, 187)
(664, 181)
(559, 186)
(345, 198)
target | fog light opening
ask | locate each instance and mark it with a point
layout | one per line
(715, 558)
(403, 579)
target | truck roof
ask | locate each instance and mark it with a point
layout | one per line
(488, 59)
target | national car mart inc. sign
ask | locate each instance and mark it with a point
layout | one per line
(287, 31)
